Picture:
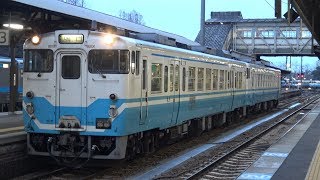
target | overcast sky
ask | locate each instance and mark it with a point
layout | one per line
(182, 17)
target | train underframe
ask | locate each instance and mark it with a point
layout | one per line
(68, 146)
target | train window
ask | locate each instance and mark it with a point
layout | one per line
(109, 61)
(208, 79)
(248, 73)
(156, 78)
(144, 74)
(177, 78)
(252, 81)
(236, 81)
(221, 80)
(228, 81)
(38, 60)
(232, 79)
(70, 68)
(215, 79)
(124, 61)
(184, 79)
(171, 78)
(166, 71)
(192, 78)
(225, 79)
(137, 62)
(200, 79)
(240, 80)
(133, 62)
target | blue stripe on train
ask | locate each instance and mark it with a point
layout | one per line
(128, 122)
(7, 89)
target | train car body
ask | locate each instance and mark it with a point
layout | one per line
(98, 95)
(5, 83)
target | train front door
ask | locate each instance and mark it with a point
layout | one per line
(174, 89)
(71, 91)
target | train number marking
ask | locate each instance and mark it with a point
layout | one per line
(90, 46)
(4, 37)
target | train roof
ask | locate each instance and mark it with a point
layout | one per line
(143, 43)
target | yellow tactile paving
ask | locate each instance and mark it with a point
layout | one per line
(11, 129)
(314, 169)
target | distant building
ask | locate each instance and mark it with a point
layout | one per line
(260, 37)
(218, 28)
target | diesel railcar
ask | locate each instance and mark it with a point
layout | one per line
(91, 94)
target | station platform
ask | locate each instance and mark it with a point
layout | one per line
(11, 122)
(295, 156)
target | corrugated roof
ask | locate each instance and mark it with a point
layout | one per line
(215, 35)
(88, 14)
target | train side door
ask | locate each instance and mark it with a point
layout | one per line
(232, 86)
(144, 92)
(174, 89)
(71, 92)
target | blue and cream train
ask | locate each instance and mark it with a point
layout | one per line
(5, 83)
(96, 95)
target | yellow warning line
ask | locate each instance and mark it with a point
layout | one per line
(11, 129)
(314, 168)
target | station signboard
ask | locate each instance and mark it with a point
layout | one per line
(4, 37)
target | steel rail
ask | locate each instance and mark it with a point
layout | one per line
(206, 167)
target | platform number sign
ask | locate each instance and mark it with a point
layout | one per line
(4, 37)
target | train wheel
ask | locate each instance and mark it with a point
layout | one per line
(149, 142)
(131, 147)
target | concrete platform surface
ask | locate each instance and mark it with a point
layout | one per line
(291, 156)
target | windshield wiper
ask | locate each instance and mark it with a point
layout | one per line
(102, 75)
(97, 70)
(39, 73)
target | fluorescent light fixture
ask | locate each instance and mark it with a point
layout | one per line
(13, 26)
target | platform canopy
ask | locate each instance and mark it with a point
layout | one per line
(309, 12)
(43, 16)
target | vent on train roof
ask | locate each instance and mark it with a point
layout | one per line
(156, 38)
(204, 49)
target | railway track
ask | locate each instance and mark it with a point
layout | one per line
(237, 156)
(129, 169)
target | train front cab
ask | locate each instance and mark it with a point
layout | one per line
(68, 102)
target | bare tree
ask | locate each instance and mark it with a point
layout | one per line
(80, 3)
(132, 16)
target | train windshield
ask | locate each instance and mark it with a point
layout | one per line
(109, 61)
(38, 60)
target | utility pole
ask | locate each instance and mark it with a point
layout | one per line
(277, 6)
(202, 20)
(13, 75)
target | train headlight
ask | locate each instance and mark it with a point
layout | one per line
(30, 108)
(102, 123)
(30, 94)
(35, 40)
(108, 39)
(99, 124)
(113, 112)
(107, 124)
